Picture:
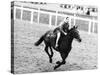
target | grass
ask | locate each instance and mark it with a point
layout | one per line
(30, 59)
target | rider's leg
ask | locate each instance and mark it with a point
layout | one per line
(58, 36)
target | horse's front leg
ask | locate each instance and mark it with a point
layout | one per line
(63, 56)
(50, 56)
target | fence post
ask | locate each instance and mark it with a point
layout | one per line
(50, 17)
(89, 27)
(38, 14)
(93, 25)
(31, 16)
(74, 19)
(21, 12)
(56, 18)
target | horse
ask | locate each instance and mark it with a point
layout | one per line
(65, 44)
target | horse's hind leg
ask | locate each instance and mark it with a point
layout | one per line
(50, 57)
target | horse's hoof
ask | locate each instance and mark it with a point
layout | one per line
(63, 62)
(55, 67)
(50, 61)
(58, 62)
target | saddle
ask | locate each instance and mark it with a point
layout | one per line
(51, 34)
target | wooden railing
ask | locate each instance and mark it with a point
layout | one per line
(91, 25)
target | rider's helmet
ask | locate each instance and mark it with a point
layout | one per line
(66, 19)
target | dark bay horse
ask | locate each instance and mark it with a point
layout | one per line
(65, 44)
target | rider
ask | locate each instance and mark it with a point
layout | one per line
(63, 27)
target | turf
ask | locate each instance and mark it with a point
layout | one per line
(29, 58)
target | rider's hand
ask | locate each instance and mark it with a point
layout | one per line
(65, 33)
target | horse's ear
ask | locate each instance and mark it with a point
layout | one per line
(76, 27)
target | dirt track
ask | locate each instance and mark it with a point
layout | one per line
(29, 59)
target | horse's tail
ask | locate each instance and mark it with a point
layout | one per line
(39, 41)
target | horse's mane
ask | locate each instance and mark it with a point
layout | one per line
(71, 29)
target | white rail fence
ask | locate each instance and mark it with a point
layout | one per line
(91, 22)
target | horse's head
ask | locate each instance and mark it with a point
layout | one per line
(75, 33)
